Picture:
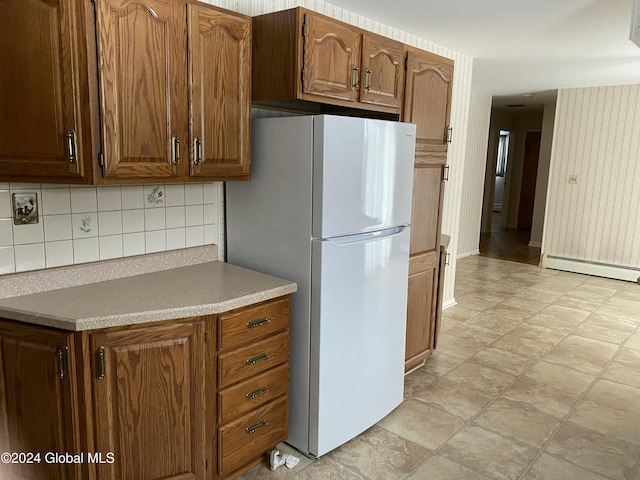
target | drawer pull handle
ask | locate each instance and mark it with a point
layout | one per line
(258, 358)
(257, 393)
(258, 323)
(257, 426)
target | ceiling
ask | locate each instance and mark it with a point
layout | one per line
(522, 46)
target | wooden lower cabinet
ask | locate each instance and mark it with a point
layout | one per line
(38, 402)
(145, 401)
(253, 383)
(149, 384)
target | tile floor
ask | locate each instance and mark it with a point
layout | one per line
(536, 376)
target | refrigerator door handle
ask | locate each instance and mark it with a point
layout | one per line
(367, 237)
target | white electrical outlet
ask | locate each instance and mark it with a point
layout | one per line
(573, 179)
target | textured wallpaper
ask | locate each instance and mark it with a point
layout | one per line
(597, 138)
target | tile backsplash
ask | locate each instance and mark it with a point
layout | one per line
(80, 224)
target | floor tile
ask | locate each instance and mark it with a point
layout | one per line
(608, 421)
(474, 333)
(421, 423)
(560, 377)
(498, 323)
(609, 321)
(598, 332)
(599, 453)
(458, 313)
(541, 396)
(624, 368)
(480, 303)
(440, 468)
(380, 455)
(522, 346)
(523, 304)
(615, 395)
(487, 380)
(544, 297)
(461, 348)
(518, 420)
(440, 363)
(456, 399)
(324, 469)
(583, 354)
(548, 467)
(559, 317)
(621, 308)
(488, 453)
(634, 341)
(538, 333)
(416, 381)
(502, 360)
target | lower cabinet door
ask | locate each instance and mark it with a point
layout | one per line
(250, 436)
(38, 416)
(149, 401)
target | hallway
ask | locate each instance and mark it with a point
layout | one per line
(508, 244)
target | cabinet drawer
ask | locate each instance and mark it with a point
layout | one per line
(250, 324)
(251, 360)
(253, 393)
(252, 435)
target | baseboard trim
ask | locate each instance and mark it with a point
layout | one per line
(468, 254)
(616, 272)
(449, 303)
(535, 244)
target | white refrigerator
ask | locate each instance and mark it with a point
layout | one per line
(329, 206)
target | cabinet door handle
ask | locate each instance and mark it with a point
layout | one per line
(449, 134)
(72, 146)
(257, 426)
(258, 323)
(367, 80)
(63, 360)
(355, 73)
(445, 173)
(197, 151)
(101, 367)
(258, 358)
(257, 393)
(175, 150)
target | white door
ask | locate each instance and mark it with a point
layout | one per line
(358, 323)
(362, 175)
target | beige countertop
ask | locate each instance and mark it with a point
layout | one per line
(199, 289)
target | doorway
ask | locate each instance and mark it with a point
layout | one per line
(497, 239)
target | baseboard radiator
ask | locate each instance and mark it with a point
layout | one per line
(617, 272)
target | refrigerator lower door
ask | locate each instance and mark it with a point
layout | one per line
(358, 323)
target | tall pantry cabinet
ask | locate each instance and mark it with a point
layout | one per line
(427, 103)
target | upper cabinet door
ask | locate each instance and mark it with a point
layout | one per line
(382, 71)
(427, 103)
(43, 77)
(331, 59)
(220, 92)
(142, 60)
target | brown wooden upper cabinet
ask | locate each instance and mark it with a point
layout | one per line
(171, 78)
(44, 93)
(427, 102)
(302, 55)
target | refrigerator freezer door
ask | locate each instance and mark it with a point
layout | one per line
(359, 293)
(363, 175)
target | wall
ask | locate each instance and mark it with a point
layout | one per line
(596, 137)
(542, 180)
(84, 224)
(473, 185)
